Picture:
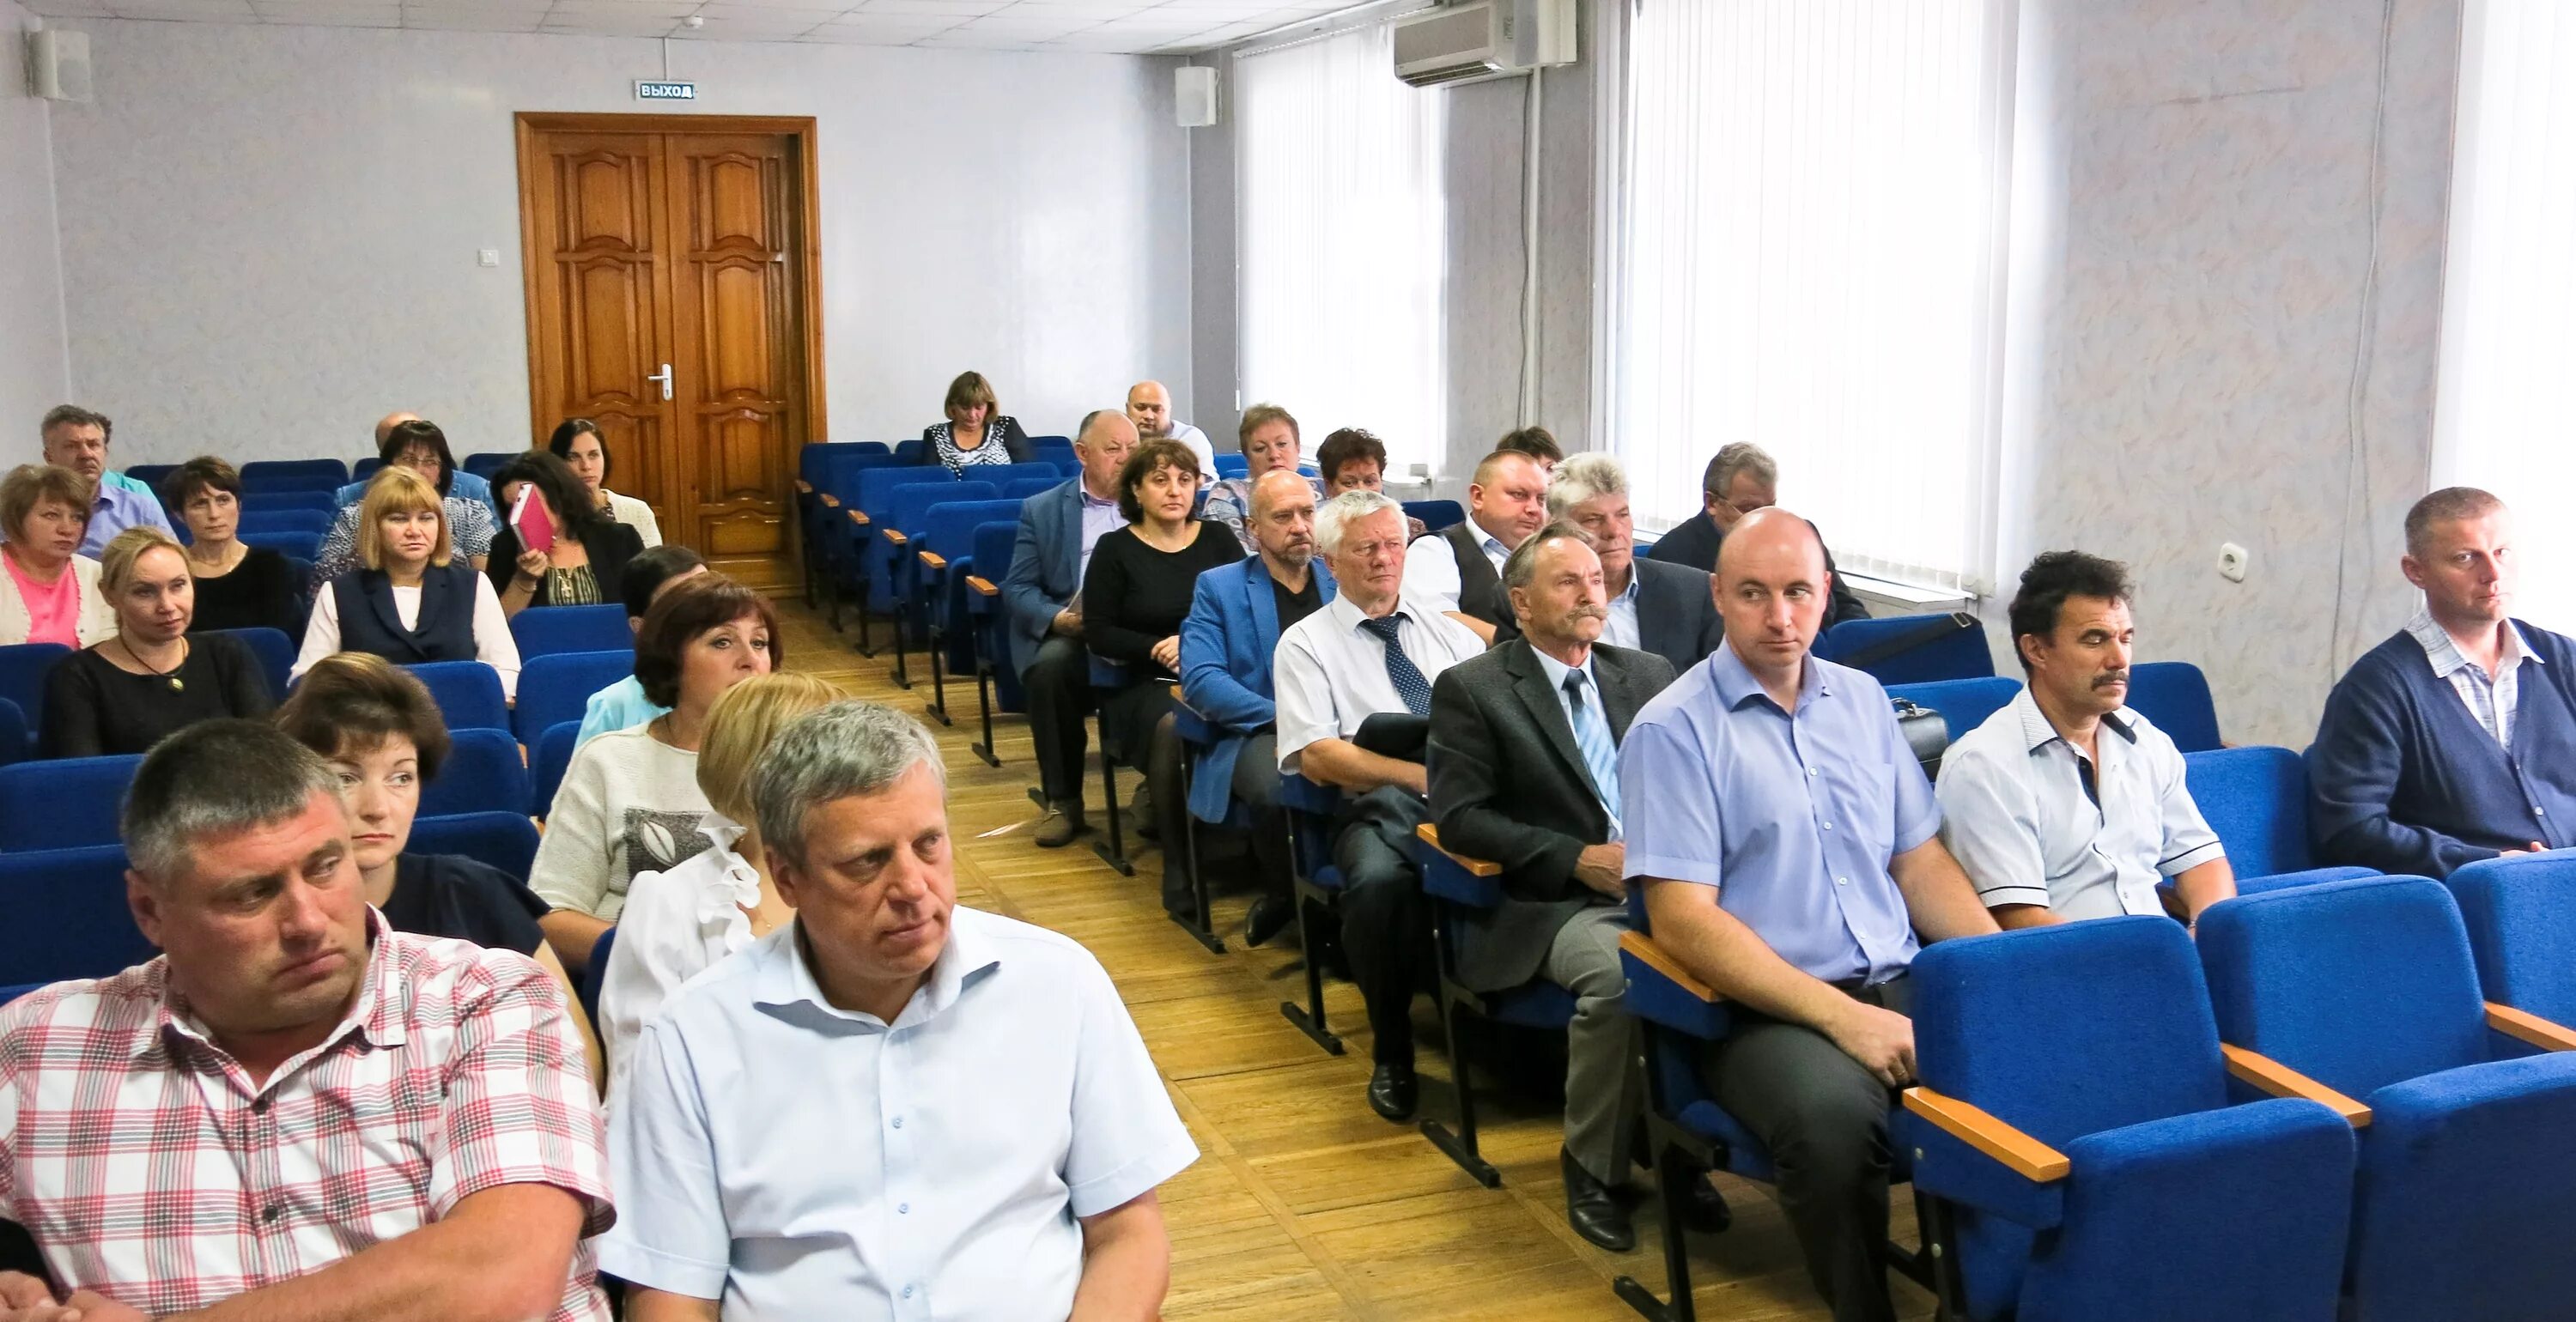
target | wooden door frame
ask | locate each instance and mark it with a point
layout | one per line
(530, 123)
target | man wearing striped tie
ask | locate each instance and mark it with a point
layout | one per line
(1525, 773)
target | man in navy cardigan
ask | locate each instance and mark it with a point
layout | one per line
(2455, 740)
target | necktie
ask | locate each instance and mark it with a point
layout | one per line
(1406, 676)
(1592, 738)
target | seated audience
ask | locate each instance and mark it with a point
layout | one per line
(2454, 740)
(127, 693)
(623, 705)
(421, 448)
(464, 486)
(586, 563)
(239, 586)
(1742, 479)
(578, 443)
(630, 801)
(1236, 616)
(410, 599)
(49, 590)
(76, 438)
(1149, 406)
(1042, 609)
(1655, 607)
(1797, 895)
(382, 734)
(893, 1105)
(1374, 649)
(294, 1111)
(1525, 773)
(1463, 574)
(2065, 804)
(1538, 443)
(977, 432)
(1354, 459)
(1135, 593)
(721, 898)
(1269, 439)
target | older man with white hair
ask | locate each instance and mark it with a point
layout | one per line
(1654, 607)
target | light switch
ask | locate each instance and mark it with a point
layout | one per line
(488, 257)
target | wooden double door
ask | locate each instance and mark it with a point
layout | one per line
(673, 291)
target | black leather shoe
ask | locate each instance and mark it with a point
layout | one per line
(1593, 1210)
(1704, 1209)
(1270, 915)
(1392, 1092)
(1063, 822)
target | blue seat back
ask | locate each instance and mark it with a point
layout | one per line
(314, 499)
(298, 545)
(2256, 799)
(1050, 442)
(152, 475)
(594, 975)
(1436, 514)
(1021, 488)
(548, 758)
(2357, 984)
(1232, 464)
(1001, 475)
(545, 630)
(67, 915)
(365, 468)
(265, 472)
(2521, 918)
(1960, 654)
(16, 744)
(483, 773)
(23, 667)
(503, 840)
(302, 484)
(276, 653)
(64, 803)
(1963, 703)
(485, 463)
(875, 487)
(909, 451)
(840, 471)
(300, 519)
(813, 460)
(468, 693)
(908, 508)
(2175, 695)
(556, 687)
(994, 543)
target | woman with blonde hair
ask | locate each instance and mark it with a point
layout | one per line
(412, 599)
(977, 431)
(48, 589)
(152, 678)
(678, 922)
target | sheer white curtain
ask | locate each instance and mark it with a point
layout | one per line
(1341, 241)
(1808, 247)
(2505, 411)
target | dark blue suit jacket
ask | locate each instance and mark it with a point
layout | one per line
(1227, 642)
(1046, 567)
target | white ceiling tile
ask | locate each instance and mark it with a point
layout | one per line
(598, 25)
(489, 22)
(1096, 42)
(950, 8)
(67, 8)
(672, 10)
(812, 11)
(1037, 29)
(858, 37)
(730, 29)
(896, 27)
(336, 19)
(959, 37)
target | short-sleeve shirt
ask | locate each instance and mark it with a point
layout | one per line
(150, 1168)
(797, 1160)
(2035, 822)
(1793, 816)
(1331, 675)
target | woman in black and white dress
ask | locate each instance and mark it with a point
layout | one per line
(977, 432)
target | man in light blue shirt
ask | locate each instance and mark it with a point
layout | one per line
(891, 1106)
(76, 438)
(1788, 843)
(622, 705)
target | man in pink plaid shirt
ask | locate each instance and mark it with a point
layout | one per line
(295, 1113)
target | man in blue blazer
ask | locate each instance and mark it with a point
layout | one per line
(1042, 607)
(1236, 616)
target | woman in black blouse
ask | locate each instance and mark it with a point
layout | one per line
(238, 586)
(1135, 594)
(977, 431)
(151, 679)
(587, 565)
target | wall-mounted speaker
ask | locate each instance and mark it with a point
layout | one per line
(58, 59)
(1194, 96)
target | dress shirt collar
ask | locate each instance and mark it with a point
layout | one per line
(1347, 614)
(1488, 543)
(1090, 501)
(2445, 655)
(786, 978)
(372, 1015)
(1628, 594)
(1736, 684)
(2037, 732)
(1556, 671)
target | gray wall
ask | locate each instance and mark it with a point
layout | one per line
(35, 366)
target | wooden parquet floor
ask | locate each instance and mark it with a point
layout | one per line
(1304, 1204)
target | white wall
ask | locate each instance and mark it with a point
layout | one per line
(35, 370)
(271, 232)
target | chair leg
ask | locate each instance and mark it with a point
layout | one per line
(984, 704)
(1674, 1169)
(902, 617)
(938, 705)
(859, 607)
(1204, 929)
(1459, 1147)
(1309, 1018)
(1937, 1223)
(1113, 851)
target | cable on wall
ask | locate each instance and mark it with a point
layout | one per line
(1533, 128)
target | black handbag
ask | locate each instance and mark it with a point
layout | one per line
(1927, 733)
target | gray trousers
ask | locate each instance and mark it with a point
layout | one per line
(1600, 1075)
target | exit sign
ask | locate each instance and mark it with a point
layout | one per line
(645, 91)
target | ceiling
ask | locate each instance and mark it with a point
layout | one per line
(1129, 27)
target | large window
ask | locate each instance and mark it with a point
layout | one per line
(1806, 231)
(2505, 416)
(1341, 244)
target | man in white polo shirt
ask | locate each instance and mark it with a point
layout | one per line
(892, 1106)
(2065, 805)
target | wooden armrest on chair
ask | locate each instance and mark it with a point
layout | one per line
(2021, 1154)
(2281, 1081)
(804, 488)
(933, 560)
(1652, 956)
(1176, 696)
(1429, 834)
(897, 538)
(830, 501)
(983, 586)
(2528, 1027)
(858, 518)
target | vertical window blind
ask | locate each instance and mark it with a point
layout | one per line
(1341, 243)
(1807, 250)
(2505, 407)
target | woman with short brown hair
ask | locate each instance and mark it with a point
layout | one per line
(977, 432)
(238, 586)
(48, 589)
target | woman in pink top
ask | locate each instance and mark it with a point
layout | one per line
(48, 591)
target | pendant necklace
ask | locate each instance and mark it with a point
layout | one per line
(177, 685)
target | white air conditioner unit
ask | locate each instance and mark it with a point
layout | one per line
(1466, 43)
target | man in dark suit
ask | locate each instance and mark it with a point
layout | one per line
(1654, 607)
(1463, 576)
(1041, 602)
(1742, 479)
(1524, 773)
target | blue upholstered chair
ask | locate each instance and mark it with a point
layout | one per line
(2256, 799)
(835, 484)
(23, 667)
(1963, 703)
(2521, 918)
(296, 545)
(1108, 679)
(65, 803)
(2074, 1106)
(1315, 880)
(1436, 514)
(1197, 734)
(506, 841)
(2363, 994)
(545, 630)
(485, 463)
(1232, 464)
(548, 759)
(268, 474)
(483, 773)
(1021, 488)
(944, 554)
(16, 744)
(276, 653)
(1911, 649)
(896, 580)
(556, 687)
(468, 693)
(67, 916)
(997, 685)
(283, 520)
(2175, 695)
(860, 554)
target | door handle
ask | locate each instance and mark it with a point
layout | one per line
(663, 376)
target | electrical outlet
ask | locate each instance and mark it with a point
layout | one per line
(2232, 562)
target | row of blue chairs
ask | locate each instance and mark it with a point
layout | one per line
(263, 475)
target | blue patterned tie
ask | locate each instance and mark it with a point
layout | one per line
(1407, 677)
(1592, 736)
